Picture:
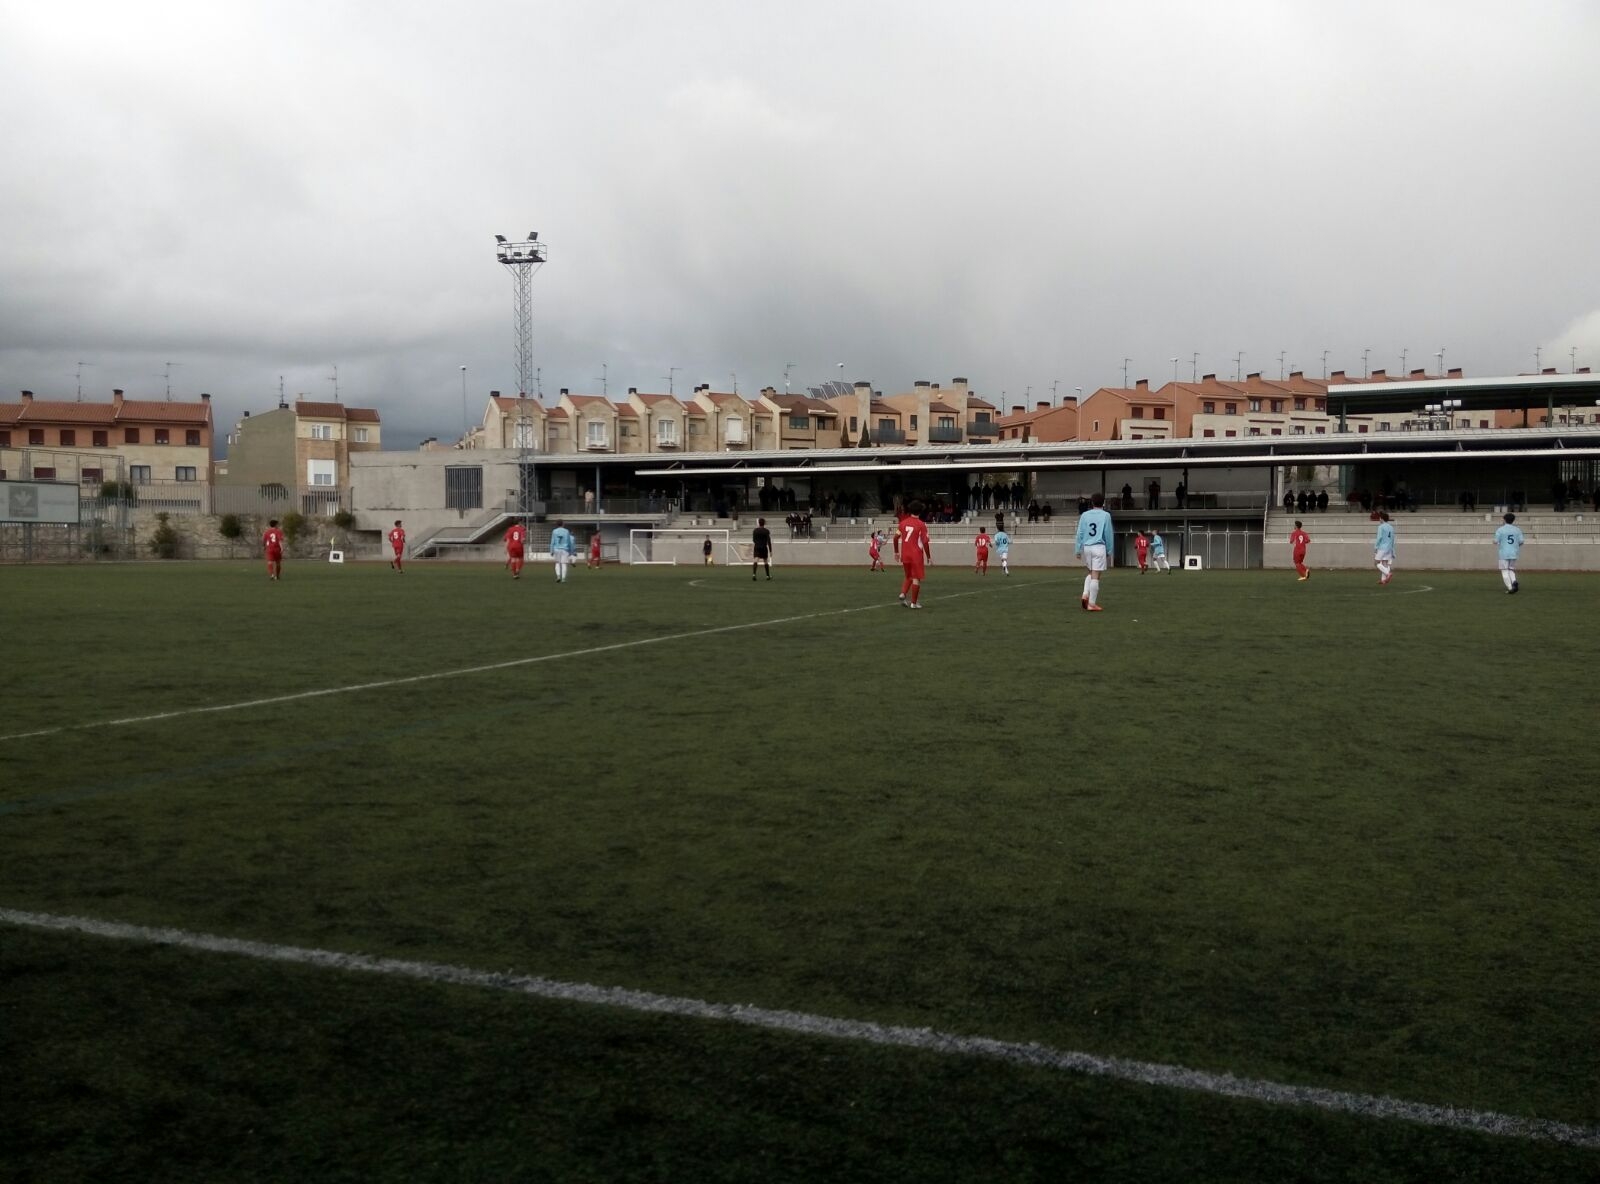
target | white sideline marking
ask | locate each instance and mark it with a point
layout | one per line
(507, 665)
(865, 1031)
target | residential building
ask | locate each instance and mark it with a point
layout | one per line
(302, 446)
(1127, 413)
(146, 441)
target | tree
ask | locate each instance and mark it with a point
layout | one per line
(164, 543)
(294, 525)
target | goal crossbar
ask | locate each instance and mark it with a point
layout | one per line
(677, 544)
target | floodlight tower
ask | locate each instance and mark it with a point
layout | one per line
(521, 260)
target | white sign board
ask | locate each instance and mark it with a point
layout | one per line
(38, 501)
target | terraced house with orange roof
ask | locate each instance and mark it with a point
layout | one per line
(142, 441)
(303, 447)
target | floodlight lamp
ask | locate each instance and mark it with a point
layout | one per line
(499, 238)
(533, 236)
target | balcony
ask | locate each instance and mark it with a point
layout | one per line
(881, 435)
(597, 444)
(943, 435)
(983, 427)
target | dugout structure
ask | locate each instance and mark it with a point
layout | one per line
(681, 545)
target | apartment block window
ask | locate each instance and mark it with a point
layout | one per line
(886, 425)
(596, 437)
(323, 473)
(69, 438)
(1383, 426)
(1209, 432)
(163, 436)
(696, 428)
(800, 423)
(1277, 431)
(1255, 404)
(1299, 430)
(1255, 431)
(35, 435)
(1361, 428)
(184, 473)
(913, 423)
(733, 430)
(102, 439)
(361, 436)
(1161, 413)
(1322, 431)
(1096, 427)
(91, 476)
(42, 473)
(139, 474)
(5, 439)
(1321, 404)
(521, 435)
(1299, 404)
(947, 421)
(1483, 423)
(1229, 434)
(463, 487)
(130, 435)
(982, 417)
(1208, 407)
(191, 437)
(1138, 413)
(1230, 409)
(1277, 404)
(322, 431)
(667, 432)
(1137, 436)
(852, 425)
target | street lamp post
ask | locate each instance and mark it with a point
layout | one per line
(463, 404)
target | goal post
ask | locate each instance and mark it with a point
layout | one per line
(669, 545)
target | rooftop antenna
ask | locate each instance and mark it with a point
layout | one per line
(1174, 369)
(672, 388)
(1403, 354)
(605, 379)
(1054, 382)
(282, 402)
(335, 381)
(1194, 366)
(81, 365)
(787, 366)
(1366, 371)
(1238, 366)
(1571, 353)
(1538, 359)
(1280, 365)
(1440, 356)
(538, 382)
(1125, 362)
(167, 374)
(1324, 363)
(463, 402)
(735, 378)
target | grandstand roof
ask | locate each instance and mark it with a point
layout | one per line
(1476, 394)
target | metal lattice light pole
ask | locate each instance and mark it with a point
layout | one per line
(521, 260)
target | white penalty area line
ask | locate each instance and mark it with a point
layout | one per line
(296, 696)
(862, 1031)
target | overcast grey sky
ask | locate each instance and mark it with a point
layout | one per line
(1019, 193)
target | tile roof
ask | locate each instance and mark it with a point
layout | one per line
(975, 401)
(588, 400)
(557, 413)
(654, 399)
(630, 412)
(130, 411)
(9, 412)
(944, 408)
(309, 410)
(52, 411)
(361, 414)
(164, 412)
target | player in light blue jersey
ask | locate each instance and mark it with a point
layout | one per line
(1091, 544)
(1383, 548)
(1158, 552)
(1002, 548)
(562, 549)
(1508, 540)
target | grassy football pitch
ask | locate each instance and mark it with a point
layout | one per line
(1313, 834)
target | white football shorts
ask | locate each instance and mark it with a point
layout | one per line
(1094, 557)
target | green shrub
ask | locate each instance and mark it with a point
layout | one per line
(231, 528)
(294, 525)
(344, 519)
(165, 540)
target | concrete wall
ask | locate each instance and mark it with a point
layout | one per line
(410, 486)
(1440, 541)
(263, 451)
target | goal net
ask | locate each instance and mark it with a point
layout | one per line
(683, 545)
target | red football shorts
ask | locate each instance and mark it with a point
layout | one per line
(915, 565)
(513, 552)
(274, 555)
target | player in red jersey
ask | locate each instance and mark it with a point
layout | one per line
(915, 553)
(514, 540)
(982, 545)
(875, 551)
(397, 540)
(1141, 548)
(1299, 540)
(594, 549)
(272, 544)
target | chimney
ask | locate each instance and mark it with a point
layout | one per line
(1297, 374)
(116, 401)
(936, 386)
(1141, 384)
(27, 396)
(247, 415)
(1069, 400)
(1017, 409)
(1454, 372)
(633, 390)
(1208, 378)
(205, 397)
(1548, 370)
(1253, 376)
(922, 382)
(1580, 370)
(496, 394)
(563, 390)
(1336, 376)
(1042, 405)
(1419, 374)
(1379, 374)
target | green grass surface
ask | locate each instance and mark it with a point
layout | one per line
(1318, 833)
